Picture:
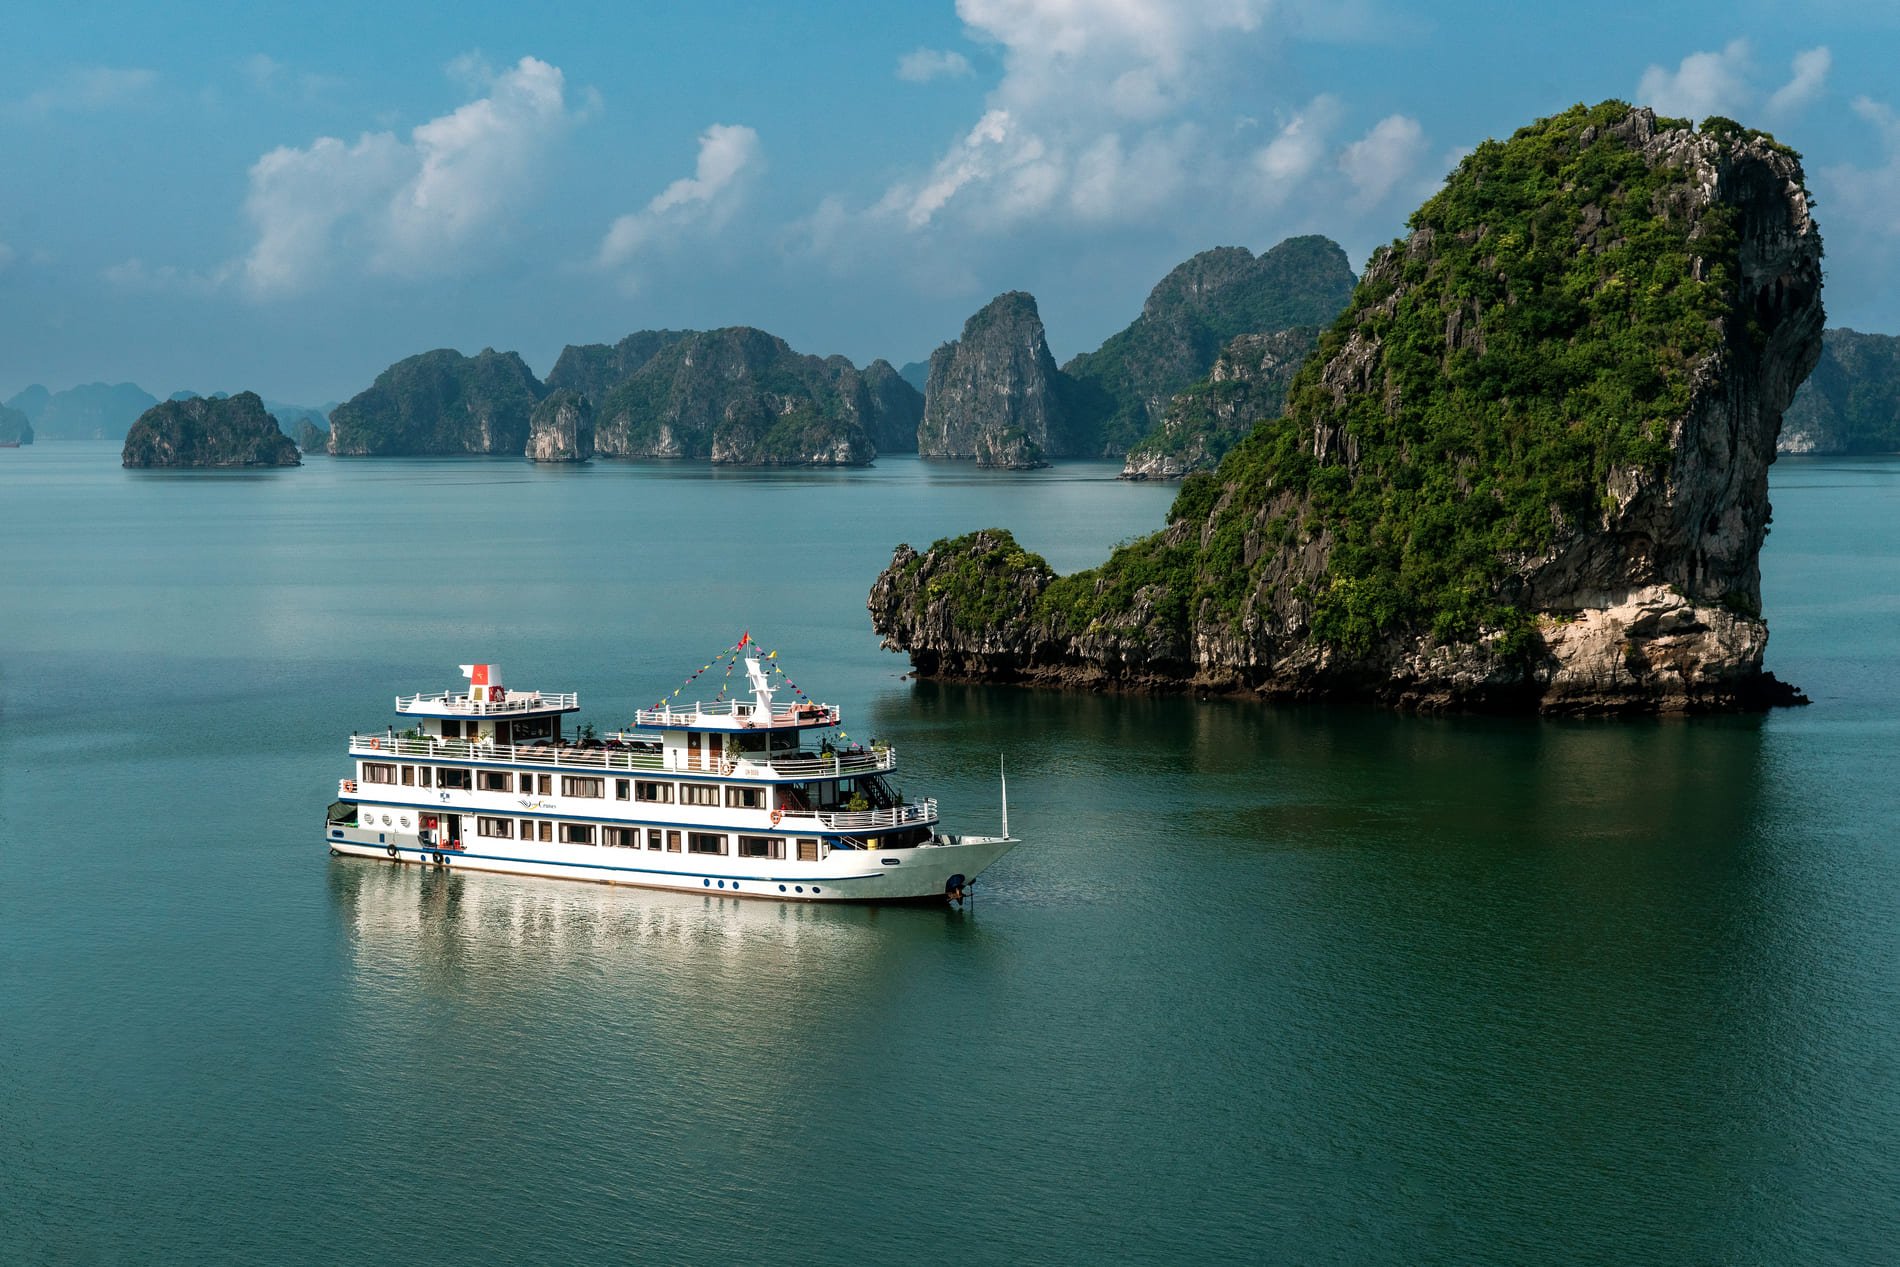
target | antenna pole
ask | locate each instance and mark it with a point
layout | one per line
(1004, 779)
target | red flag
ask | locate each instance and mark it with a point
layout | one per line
(743, 639)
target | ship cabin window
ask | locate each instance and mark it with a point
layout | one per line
(577, 833)
(784, 741)
(501, 827)
(453, 777)
(451, 729)
(699, 794)
(620, 837)
(527, 829)
(807, 849)
(653, 838)
(408, 776)
(547, 784)
(761, 847)
(576, 785)
(496, 781)
(623, 789)
(745, 798)
(378, 772)
(672, 842)
(705, 842)
(425, 775)
(528, 729)
(645, 790)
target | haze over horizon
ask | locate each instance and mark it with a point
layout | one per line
(225, 199)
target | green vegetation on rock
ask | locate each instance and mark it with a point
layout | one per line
(440, 403)
(1851, 404)
(208, 432)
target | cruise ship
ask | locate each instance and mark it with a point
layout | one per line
(750, 796)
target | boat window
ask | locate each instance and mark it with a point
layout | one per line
(644, 790)
(453, 776)
(577, 785)
(672, 842)
(653, 838)
(761, 847)
(378, 772)
(623, 789)
(807, 849)
(577, 833)
(425, 775)
(502, 827)
(699, 794)
(529, 728)
(547, 785)
(745, 798)
(527, 829)
(451, 729)
(620, 837)
(408, 776)
(497, 781)
(705, 842)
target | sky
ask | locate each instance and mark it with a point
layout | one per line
(287, 199)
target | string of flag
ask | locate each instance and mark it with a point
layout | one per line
(729, 657)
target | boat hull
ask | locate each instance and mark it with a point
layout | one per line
(930, 872)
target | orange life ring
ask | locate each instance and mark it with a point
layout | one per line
(349, 785)
(374, 744)
(778, 814)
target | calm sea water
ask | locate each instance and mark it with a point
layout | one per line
(1264, 984)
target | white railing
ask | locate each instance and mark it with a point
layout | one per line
(374, 746)
(745, 712)
(838, 764)
(857, 819)
(526, 702)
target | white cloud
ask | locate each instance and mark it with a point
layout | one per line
(920, 66)
(1283, 164)
(729, 156)
(87, 89)
(1383, 157)
(403, 206)
(1810, 70)
(1703, 84)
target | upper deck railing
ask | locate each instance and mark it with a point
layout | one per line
(799, 766)
(737, 714)
(461, 703)
(923, 811)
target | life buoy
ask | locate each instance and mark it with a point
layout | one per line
(349, 785)
(438, 860)
(375, 744)
(777, 815)
(392, 852)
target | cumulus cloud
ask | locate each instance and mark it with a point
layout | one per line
(925, 64)
(1383, 157)
(1283, 164)
(1702, 84)
(87, 89)
(1867, 199)
(403, 205)
(1809, 76)
(729, 156)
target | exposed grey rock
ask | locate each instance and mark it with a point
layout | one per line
(561, 428)
(995, 394)
(1248, 383)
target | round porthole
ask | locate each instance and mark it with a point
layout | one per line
(385, 820)
(707, 883)
(735, 886)
(781, 888)
(405, 820)
(816, 889)
(722, 884)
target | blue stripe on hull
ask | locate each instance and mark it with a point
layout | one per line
(424, 855)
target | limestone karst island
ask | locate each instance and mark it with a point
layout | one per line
(1527, 469)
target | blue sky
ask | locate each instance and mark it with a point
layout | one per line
(226, 196)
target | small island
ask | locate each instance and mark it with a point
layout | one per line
(206, 433)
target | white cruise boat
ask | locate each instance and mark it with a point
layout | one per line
(747, 796)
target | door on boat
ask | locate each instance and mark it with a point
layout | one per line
(451, 831)
(692, 750)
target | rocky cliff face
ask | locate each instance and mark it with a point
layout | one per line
(738, 396)
(1190, 315)
(1527, 469)
(1851, 404)
(896, 408)
(440, 403)
(231, 432)
(561, 429)
(14, 427)
(995, 394)
(309, 437)
(595, 369)
(1247, 384)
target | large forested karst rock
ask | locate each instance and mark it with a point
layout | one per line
(1125, 386)
(561, 428)
(594, 369)
(440, 403)
(896, 408)
(916, 373)
(1247, 384)
(232, 431)
(1527, 469)
(995, 394)
(309, 437)
(14, 427)
(737, 396)
(91, 411)
(1851, 403)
